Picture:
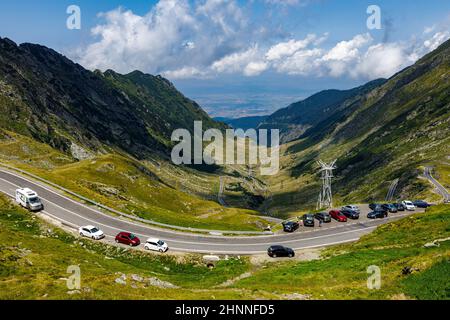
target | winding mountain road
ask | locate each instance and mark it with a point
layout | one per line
(74, 214)
(439, 187)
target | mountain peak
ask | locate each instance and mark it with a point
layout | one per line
(7, 42)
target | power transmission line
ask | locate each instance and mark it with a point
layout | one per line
(326, 195)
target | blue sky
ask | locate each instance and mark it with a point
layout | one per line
(237, 57)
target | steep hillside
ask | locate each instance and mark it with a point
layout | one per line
(295, 119)
(48, 97)
(389, 133)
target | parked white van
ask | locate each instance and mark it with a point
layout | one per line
(29, 199)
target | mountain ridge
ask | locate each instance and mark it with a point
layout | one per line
(294, 120)
(58, 102)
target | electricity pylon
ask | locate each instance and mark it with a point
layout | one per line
(326, 196)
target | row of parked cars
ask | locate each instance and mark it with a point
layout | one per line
(126, 238)
(346, 212)
(353, 212)
(400, 206)
(309, 219)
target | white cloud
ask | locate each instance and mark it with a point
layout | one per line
(436, 40)
(205, 38)
(348, 50)
(428, 30)
(185, 73)
(302, 62)
(356, 58)
(235, 62)
(380, 61)
(175, 37)
(255, 68)
(285, 49)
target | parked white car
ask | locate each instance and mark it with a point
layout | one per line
(91, 232)
(409, 205)
(352, 207)
(29, 199)
(156, 245)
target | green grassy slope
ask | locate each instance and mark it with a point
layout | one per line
(162, 193)
(34, 257)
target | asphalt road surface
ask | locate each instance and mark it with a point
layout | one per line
(439, 187)
(74, 214)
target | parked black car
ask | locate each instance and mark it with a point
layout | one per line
(389, 208)
(351, 214)
(308, 220)
(421, 204)
(400, 206)
(323, 216)
(373, 206)
(377, 214)
(280, 251)
(290, 226)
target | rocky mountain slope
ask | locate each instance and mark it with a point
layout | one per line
(295, 119)
(45, 95)
(388, 133)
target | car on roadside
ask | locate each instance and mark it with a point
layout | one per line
(379, 214)
(128, 238)
(421, 204)
(389, 208)
(374, 206)
(352, 207)
(280, 251)
(323, 216)
(308, 220)
(91, 232)
(155, 244)
(290, 226)
(350, 214)
(338, 216)
(400, 206)
(409, 205)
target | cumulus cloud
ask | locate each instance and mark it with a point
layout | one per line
(348, 50)
(286, 49)
(438, 38)
(175, 37)
(358, 57)
(381, 61)
(255, 68)
(206, 38)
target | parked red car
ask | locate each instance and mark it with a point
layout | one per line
(128, 239)
(338, 215)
